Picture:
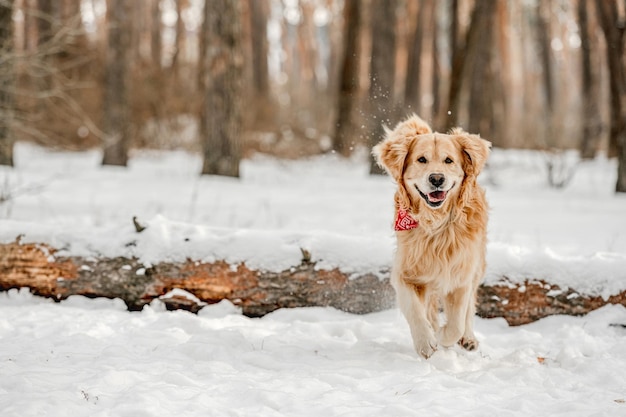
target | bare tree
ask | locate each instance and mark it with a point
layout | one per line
(29, 33)
(471, 61)
(116, 118)
(180, 36)
(412, 90)
(263, 108)
(613, 24)
(155, 34)
(382, 72)
(47, 25)
(449, 118)
(453, 11)
(544, 40)
(258, 20)
(155, 97)
(6, 82)
(52, 103)
(481, 72)
(221, 78)
(344, 136)
(436, 75)
(591, 120)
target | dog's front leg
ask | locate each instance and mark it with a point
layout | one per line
(456, 306)
(413, 302)
(469, 341)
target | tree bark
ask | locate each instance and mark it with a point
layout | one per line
(30, 25)
(463, 58)
(591, 119)
(382, 73)
(221, 78)
(436, 75)
(454, 29)
(7, 80)
(47, 25)
(449, 116)
(412, 91)
(155, 33)
(344, 137)
(481, 73)
(499, 124)
(116, 118)
(544, 45)
(263, 112)
(180, 37)
(38, 268)
(614, 26)
(258, 20)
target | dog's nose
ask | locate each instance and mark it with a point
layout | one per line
(436, 179)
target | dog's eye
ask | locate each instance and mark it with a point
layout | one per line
(422, 160)
(448, 161)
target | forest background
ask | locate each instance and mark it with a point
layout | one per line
(300, 77)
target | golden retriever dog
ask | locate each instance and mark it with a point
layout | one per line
(441, 230)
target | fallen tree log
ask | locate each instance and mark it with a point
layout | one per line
(37, 267)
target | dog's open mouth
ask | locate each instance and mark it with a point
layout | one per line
(435, 198)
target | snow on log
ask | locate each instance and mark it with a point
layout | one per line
(37, 267)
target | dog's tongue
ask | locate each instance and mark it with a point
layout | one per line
(436, 196)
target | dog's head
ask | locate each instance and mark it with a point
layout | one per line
(430, 166)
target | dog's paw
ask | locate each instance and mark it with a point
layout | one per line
(426, 347)
(468, 343)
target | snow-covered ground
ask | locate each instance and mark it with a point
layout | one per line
(90, 357)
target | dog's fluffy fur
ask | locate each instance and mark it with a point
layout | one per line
(441, 262)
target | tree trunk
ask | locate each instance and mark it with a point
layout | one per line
(382, 73)
(454, 29)
(47, 25)
(436, 75)
(258, 20)
(591, 118)
(344, 137)
(221, 78)
(116, 118)
(412, 91)
(448, 118)
(74, 44)
(37, 267)
(614, 27)
(70, 10)
(30, 25)
(180, 37)
(544, 45)
(498, 109)
(7, 80)
(263, 111)
(480, 70)
(141, 32)
(155, 33)
(466, 64)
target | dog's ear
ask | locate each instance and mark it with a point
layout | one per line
(391, 152)
(475, 150)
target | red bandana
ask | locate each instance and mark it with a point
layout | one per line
(404, 221)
